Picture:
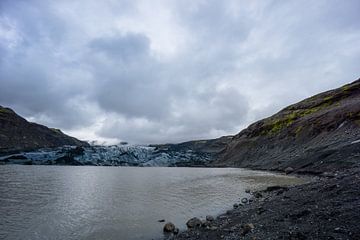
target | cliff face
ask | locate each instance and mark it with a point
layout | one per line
(318, 134)
(17, 134)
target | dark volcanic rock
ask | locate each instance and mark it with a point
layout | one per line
(169, 227)
(318, 134)
(193, 223)
(17, 134)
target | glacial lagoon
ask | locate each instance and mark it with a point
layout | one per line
(85, 202)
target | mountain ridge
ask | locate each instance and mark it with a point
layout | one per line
(17, 134)
(317, 134)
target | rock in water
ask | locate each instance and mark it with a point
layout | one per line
(169, 227)
(193, 223)
(244, 200)
(209, 218)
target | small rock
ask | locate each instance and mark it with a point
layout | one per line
(339, 230)
(193, 223)
(209, 218)
(258, 195)
(244, 200)
(288, 170)
(161, 220)
(169, 227)
(205, 223)
(213, 228)
(176, 231)
(236, 206)
(247, 228)
(328, 175)
(247, 190)
(260, 210)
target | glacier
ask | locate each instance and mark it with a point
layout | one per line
(115, 155)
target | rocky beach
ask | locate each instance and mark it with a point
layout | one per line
(328, 207)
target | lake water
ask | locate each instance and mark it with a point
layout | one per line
(69, 202)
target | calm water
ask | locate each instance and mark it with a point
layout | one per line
(67, 202)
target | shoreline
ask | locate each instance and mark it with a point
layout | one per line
(326, 208)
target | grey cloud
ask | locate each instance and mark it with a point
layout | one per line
(82, 69)
(129, 79)
(128, 47)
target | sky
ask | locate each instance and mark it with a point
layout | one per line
(169, 71)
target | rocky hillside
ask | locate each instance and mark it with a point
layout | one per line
(318, 134)
(17, 134)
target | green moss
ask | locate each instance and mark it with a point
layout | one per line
(5, 110)
(275, 126)
(328, 98)
(345, 88)
(279, 124)
(298, 130)
(56, 130)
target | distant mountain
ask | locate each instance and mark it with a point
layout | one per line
(17, 134)
(318, 134)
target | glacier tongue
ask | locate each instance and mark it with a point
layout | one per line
(116, 155)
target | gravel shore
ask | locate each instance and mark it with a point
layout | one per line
(327, 208)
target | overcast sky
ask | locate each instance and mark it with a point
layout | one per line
(167, 71)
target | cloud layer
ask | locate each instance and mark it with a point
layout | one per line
(168, 71)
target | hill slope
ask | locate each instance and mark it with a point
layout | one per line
(17, 134)
(318, 134)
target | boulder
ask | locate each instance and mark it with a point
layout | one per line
(169, 227)
(244, 200)
(289, 170)
(193, 223)
(247, 228)
(209, 218)
(205, 223)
